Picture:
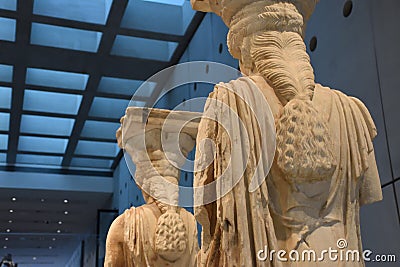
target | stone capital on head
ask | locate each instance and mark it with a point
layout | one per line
(305, 7)
(201, 5)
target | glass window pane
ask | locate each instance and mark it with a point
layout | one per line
(94, 148)
(39, 159)
(51, 102)
(46, 125)
(171, 16)
(4, 121)
(58, 79)
(125, 86)
(8, 4)
(93, 163)
(63, 37)
(6, 73)
(3, 157)
(5, 97)
(130, 46)
(93, 11)
(39, 144)
(108, 107)
(3, 141)
(99, 129)
(7, 29)
(168, 2)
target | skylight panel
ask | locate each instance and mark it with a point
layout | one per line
(38, 159)
(3, 141)
(168, 2)
(7, 29)
(31, 124)
(92, 11)
(100, 129)
(64, 37)
(91, 163)
(8, 4)
(124, 86)
(164, 16)
(4, 121)
(40, 144)
(58, 79)
(51, 102)
(3, 157)
(137, 47)
(5, 97)
(94, 148)
(6, 73)
(108, 107)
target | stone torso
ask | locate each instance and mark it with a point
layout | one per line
(139, 231)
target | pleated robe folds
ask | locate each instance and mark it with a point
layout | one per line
(238, 224)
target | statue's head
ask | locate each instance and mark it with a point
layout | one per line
(246, 18)
(227, 9)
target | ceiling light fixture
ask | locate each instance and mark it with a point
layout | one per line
(65, 201)
(10, 221)
(8, 230)
(60, 222)
(58, 231)
(13, 199)
(66, 212)
(11, 211)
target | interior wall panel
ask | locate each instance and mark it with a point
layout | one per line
(348, 56)
(386, 21)
(380, 229)
(344, 60)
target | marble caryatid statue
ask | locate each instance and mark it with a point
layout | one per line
(324, 167)
(159, 233)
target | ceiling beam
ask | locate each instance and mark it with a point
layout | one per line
(93, 26)
(53, 181)
(113, 22)
(61, 155)
(22, 37)
(61, 59)
(76, 91)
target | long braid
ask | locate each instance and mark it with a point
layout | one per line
(170, 240)
(303, 140)
(281, 58)
(170, 237)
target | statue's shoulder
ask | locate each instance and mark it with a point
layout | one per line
(352, 105)
(254, 85)
(115, 233)
(185, 212)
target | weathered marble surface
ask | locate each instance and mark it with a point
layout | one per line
(159, 233)
(324, 167)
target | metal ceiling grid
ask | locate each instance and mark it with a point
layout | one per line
(67, 75)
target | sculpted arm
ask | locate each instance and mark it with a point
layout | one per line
(370, 190)
(114, 248)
